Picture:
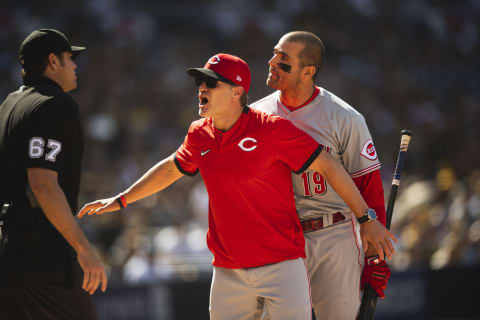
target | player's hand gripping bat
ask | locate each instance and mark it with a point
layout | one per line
(369, 300)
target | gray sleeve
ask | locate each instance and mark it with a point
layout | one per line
(358, 151)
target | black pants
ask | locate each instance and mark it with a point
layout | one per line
(46, 302)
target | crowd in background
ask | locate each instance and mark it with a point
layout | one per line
(403, 64)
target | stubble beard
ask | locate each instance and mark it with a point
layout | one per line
(272, 83)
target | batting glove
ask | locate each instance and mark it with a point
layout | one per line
(376, 273)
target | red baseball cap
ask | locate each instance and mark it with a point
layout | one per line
(226, 68)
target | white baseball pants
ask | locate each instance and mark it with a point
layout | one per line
(284, 287)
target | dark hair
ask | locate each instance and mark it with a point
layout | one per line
(313, 52)
(243, 99)
(37, 68)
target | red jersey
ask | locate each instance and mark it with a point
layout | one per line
(247, 173)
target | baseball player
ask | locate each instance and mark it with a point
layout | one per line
(334, 253)
(245, 158)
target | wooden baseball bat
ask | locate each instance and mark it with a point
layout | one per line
(369, 299)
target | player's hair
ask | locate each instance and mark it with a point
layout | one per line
(313, 52)
(37, 67)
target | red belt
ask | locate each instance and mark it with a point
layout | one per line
(316, 224)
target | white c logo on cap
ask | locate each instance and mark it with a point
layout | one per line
(214, 60)
(241, 144)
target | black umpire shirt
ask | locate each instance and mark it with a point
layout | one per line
(39, 128)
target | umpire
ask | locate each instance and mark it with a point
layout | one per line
(41, 147)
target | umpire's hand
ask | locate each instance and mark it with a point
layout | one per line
(93, 271)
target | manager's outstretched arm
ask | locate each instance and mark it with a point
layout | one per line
(373, 233)
(154, 180)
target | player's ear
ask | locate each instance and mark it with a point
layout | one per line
(309, 71)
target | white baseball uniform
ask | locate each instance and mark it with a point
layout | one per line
(334, 253)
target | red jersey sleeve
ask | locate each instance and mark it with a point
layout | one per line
(370, 186)
(184, 157)
(294, 147)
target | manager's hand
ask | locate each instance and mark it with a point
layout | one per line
(99, 207)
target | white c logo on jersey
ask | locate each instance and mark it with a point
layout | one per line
(214, 60)
(368, 150)
(241, 144)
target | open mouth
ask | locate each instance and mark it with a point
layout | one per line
(203, 101)
(273, 72)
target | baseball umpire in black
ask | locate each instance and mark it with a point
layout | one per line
(47, 267)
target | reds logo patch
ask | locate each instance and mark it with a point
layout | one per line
(368, 150)
(214, 60)
(248, 144)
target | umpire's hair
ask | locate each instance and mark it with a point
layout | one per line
(37, 67)
(314, 51)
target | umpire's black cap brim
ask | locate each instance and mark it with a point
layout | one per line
(77, 50)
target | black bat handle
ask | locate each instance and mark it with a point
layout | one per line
(369, 303)
(369, 299)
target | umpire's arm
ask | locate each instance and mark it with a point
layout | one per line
(45, 187)
(372, 232)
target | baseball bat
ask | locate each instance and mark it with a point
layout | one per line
(369, 299)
